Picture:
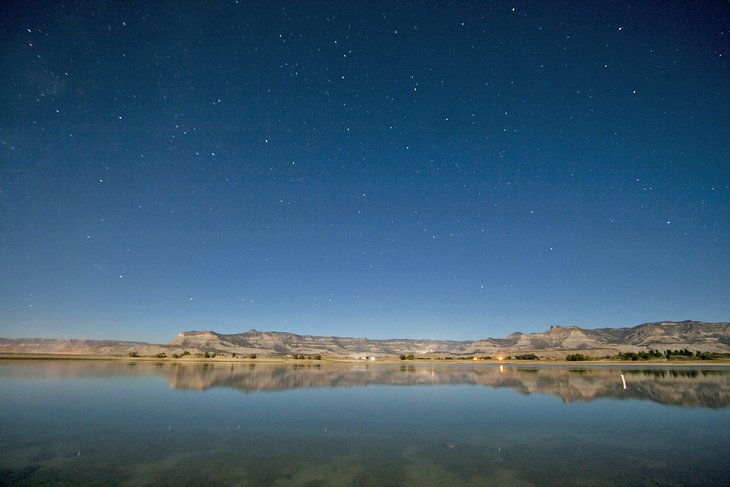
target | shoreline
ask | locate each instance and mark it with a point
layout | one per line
(724, 362)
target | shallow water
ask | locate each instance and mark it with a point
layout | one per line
(111, 423)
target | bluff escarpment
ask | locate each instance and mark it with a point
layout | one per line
(268, 342)
(693, 335)
(553, 343)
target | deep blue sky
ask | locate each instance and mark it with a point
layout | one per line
(414, 169)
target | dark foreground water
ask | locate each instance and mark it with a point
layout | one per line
(108, 423)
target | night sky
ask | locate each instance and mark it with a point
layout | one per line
(398, 169)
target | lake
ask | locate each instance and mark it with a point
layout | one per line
(75, 422)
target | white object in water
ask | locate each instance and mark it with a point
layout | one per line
(623, 379)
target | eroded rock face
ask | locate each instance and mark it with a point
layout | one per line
(711, 337)
(278, 342)
(553, 343)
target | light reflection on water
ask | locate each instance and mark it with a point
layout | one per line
(147, 424)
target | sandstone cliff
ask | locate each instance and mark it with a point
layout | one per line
(553, 343)
(693, 335)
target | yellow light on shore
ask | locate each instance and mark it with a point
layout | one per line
(500, 358)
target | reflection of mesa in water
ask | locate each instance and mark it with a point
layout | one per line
(686, 388)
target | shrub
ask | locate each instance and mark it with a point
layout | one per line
(161, 355)
(706, 355)
(642, 355)
(133, 354)
(680, 353)
(577, 357)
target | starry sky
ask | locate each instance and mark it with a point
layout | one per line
(382, 169)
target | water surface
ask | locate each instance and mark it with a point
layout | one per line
(115, 423)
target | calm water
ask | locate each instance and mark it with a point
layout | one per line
(106, 423)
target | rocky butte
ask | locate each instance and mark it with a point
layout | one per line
(693, 335)
(553, 343)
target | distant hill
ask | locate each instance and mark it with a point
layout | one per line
(553, 343)
(64, 346)
(693, 335)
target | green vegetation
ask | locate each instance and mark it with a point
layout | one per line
(299, 357)
(684, 353)
(578, 357)
(133, 354)
(253, 355)
(527, 356)
(634, 356)
(161, 355)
